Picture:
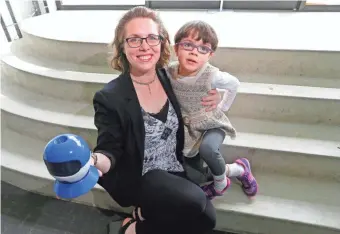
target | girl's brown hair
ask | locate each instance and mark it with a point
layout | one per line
(119, 60)
(200, 30)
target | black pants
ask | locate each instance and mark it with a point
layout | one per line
(172, 204)
(196, 171)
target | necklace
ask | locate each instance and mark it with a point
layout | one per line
(145, 83)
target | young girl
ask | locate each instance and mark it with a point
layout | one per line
(192, 77)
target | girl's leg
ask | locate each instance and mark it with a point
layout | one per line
(210, 153)
(172, 204)
(196, 172)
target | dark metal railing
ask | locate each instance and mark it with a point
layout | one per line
(15, 24)
(219, 5)
(36, 11)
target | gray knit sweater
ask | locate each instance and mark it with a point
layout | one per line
(196, 119)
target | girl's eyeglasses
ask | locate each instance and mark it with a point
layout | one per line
(191, 46)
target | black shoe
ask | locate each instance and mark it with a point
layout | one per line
(123, 228)
(115, 224)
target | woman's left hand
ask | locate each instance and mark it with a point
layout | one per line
(212, 100)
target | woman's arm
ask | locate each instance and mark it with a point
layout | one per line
(109, 142)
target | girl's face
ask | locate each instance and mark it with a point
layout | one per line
(192, 55)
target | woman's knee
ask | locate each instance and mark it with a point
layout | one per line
(172, 193)
(203, 223)
(195, 198)
(209, 216)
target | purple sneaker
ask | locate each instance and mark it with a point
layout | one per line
(249, 184)
(210, 191)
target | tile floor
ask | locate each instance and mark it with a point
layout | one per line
(23, 212)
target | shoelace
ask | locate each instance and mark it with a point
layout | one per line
(209, 191)
(246, 179)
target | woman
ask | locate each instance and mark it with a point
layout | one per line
(140, 135)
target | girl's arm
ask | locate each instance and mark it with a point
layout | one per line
(229, 84)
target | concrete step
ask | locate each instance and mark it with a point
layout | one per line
(290, 80)
(20, 94)
(23, 166)
(256, 49)
(287, 155)
(298, 130)
(287, 103)
(285, 204)
(61, 84)
(16, 49)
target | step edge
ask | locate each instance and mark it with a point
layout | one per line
(74, 119)
(19, 64)
(89, 124)
(98, 188)
(27, 28)
(104, 78)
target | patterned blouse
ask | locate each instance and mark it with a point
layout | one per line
(160, 141)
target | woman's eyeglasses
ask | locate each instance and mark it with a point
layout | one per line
(151, 40)
(191, 46)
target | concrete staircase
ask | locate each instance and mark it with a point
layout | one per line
(287, 114)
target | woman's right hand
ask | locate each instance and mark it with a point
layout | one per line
(92, 164)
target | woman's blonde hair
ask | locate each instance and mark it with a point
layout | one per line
(119, 60)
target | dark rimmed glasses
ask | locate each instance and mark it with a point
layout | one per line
(191, 46)
(151, 40)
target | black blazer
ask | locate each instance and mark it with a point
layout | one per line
(121, 135)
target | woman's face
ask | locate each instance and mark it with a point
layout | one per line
(142, 58)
